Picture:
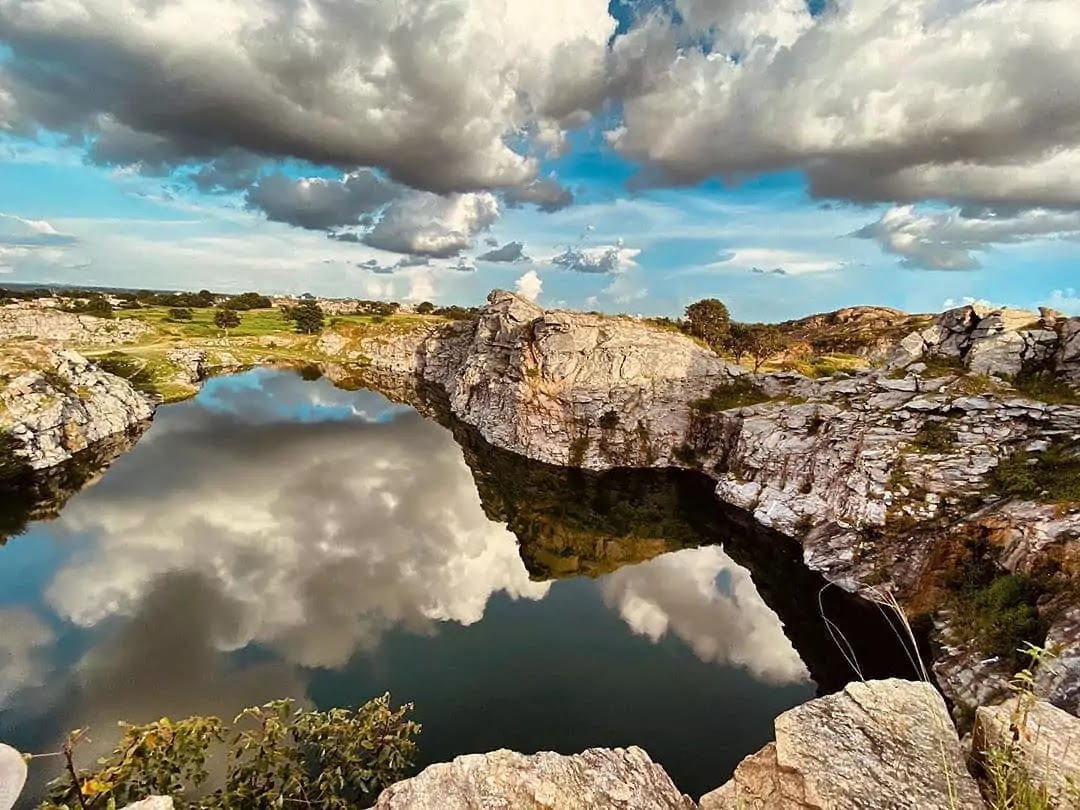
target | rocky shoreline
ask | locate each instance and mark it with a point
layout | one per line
(886, 478)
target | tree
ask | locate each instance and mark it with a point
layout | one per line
(226, 319)
(180, 314)
(96, 305)
(248, 300)
(309, 318)
(709, 320)
(425, 308)
(738, 340)
(763, 341)
(276, 756)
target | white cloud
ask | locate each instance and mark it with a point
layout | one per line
(773, 260)
(950, 240)
(598, 259)
(430, 225)
(1067, 301)
(678, 593)
(433, 91)
(750, 86)
(529, 285)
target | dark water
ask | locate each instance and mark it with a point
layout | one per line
(276, 537)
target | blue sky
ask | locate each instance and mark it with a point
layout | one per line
(737, 150)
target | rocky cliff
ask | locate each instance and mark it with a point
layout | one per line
(57, 404)
(886, 477)
(21, 321)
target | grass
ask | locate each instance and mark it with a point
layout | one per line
(1045, 387)
(830, 365)
(1052, 476)
(738, 393)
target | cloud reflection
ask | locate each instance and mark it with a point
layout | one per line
(703, 598)
(320, 535)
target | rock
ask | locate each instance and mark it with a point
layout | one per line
(879, 744)
(27, 320)
(595, 779)
(1042, 739)
(12, 776)
(152, 803)
(66, 405)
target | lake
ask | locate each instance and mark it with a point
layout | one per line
(279, 537)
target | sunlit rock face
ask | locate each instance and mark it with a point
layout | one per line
(842, 464)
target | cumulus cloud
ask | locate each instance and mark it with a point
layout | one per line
(599, 259)
(433, 92)
(529, 285)
(546, 193)
(427, 224)
(710, 603)
(510, 252)
(759, 86)
(949, 240)
(33, 244)
(320, 204)
(1067, 301)
(378, 524)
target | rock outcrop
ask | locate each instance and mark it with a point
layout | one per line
(64, 405)
(26, 321)
(878, 475)
(596, 779)
(876, 744)
(1039, 739)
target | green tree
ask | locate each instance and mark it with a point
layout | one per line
(180, 314)
(248, 300)
(226, 319)
(763, 341)
(709, 320)
(97, 305)
(309, 318)
(738, 340)
(425, 308)
(276, 756)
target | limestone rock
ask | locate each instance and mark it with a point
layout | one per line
(1042, 738)
(65, 406)
(12, 776)
(880, 744)
(27, 320)
(595, 779)
(152, 803)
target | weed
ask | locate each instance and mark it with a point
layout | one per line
(740, 392)
(934, 437)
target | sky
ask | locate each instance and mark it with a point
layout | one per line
(786, 156)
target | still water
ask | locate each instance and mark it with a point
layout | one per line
(280, 537)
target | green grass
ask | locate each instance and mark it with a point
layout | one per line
(738, 393)
(253, 323)
(1052, 476)
(1045, 387)
(831, 365)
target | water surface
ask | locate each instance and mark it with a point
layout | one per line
(279, 537)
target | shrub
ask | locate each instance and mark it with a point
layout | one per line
(1052, 476)
(1044, 386)
(934, 437)
(740, 392)
(248, 300)
(425, 308)
(276, 756)
(180, 314)
(609, 421)
(226, 319)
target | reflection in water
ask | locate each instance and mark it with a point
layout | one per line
(278, 538)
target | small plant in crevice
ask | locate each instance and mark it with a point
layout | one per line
(1049, 476)
(934, 437)
(739, 392)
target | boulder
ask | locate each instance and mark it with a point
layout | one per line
(879, 744)
(595, 779)
(1041, 739)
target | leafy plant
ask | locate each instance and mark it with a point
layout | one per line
(276, 756)
(934, 437)
(1051, 476)
(226, 319)
(710, 321)
(180, 314)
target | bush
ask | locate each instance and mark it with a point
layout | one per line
(180, 314)
(934, 437)
(248, 300)
(1052, 476)
(425, 308)
(738, 393)
(1044, 386)
(276, 756)
(226, 319)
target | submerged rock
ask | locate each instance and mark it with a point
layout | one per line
(879, 744)
(596, 779)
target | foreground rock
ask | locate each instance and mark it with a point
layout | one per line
(880, 744)
(1042, 740)
(22, 321)
(64, 404)
(595, 779)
